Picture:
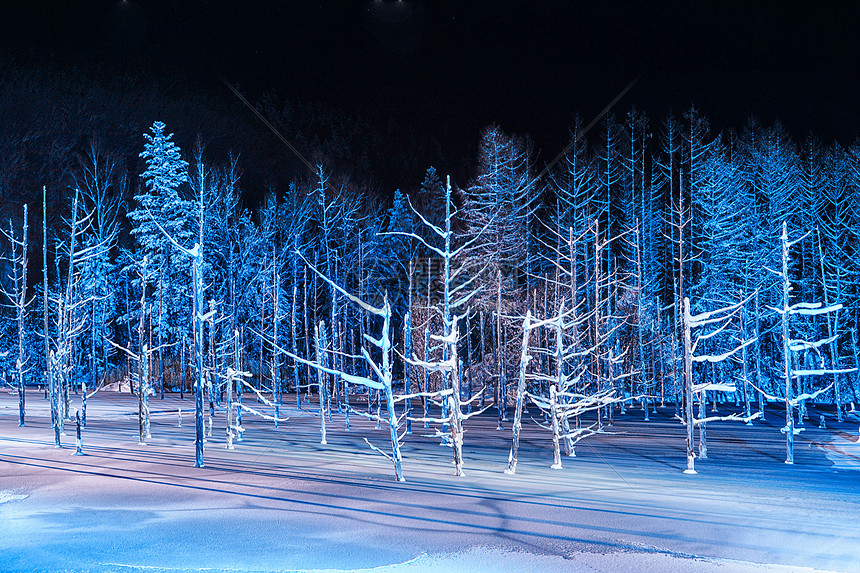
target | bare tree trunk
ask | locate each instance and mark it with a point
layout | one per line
(569, 448)
(262, 367)
(456, 378)
(688, 389)
(20, 308)
(598, 378)
(49, 356)
(640, 308)
(469, 356)
(197, 273)
(745, 372)
(553, 406)
(319, 336)
(678, 398)
(182, 368)
(93, 374)
(789, 414)
(276, 320)
(501, 391)
(521, 388)
(703, 437)
(481, 345)
(307, 335)
(425, 400)
(407, 368)
(142, 362)
(293, 338)
(160, 332)
(831, 327)
(230, 382)
(856, 365)
(389, 395)
(758, 378)
(212, 369)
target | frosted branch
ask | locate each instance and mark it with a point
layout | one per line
(247, 408)
(798, 344)
(822, 372)
(730, 418)
(378, 451)
(713, 358)
(361, 380)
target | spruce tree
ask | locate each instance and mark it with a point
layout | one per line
(160, 204)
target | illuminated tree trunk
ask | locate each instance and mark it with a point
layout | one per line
(197, 272)
(293, 337)
(407, 368)
(142, 368)
(688, 390)
(49, 355)
(501, 387)
(319, 336)
(521, 389)
(553, 404)
(786, 353)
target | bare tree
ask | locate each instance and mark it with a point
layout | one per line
(382, 370)
(458, 290)
(143, 358)
(791, 345)
(721, 317)
(19, 303)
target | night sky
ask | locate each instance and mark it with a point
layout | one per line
(445, 69)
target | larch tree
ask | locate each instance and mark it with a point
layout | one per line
(718, 321)
(17, 297)
(101, 189)
(790, 345)
(458, 288)
(382, 371)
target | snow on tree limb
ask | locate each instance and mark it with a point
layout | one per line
(720, 357)
(436, 394)
(361, 380)
(789, 244)
(808, 308)
(580, 434)
(440, 366)
(729, 418)
(476, 412)
(704, 318)
(376, 449)
(354, 299)
(316, 365)
(243, 406)
(797, 345)
(797, 399)
(822, 371)
(714, 387)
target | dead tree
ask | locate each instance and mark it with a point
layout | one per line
(457, 292)
(381, 370)
(790, 346)
(722, 318)
(19, 303)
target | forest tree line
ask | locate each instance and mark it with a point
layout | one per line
(609, 238)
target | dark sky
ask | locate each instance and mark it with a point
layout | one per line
(448, 67)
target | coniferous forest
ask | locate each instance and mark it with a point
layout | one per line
(655, 262)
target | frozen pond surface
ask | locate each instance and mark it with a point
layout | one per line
(282, 502)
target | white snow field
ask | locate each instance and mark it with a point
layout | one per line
(282, 502)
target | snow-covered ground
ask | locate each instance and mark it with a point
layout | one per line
(282, 502)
